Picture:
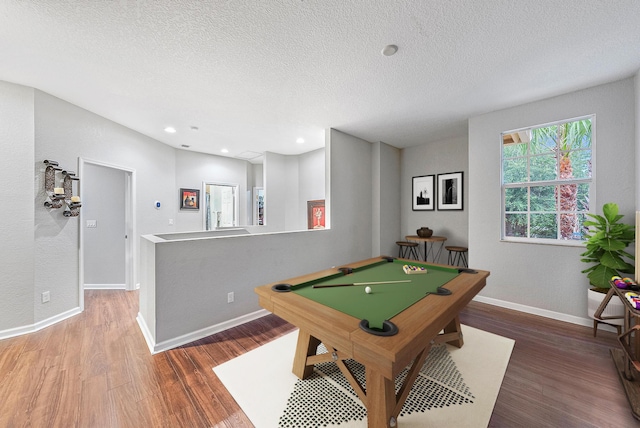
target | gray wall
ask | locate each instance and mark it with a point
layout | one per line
(311, 180)
(386, 199)
(104, 246)
(19, 176)
(440, 157)
(289, 182)
(547, 277)
(637, 146)
(192, 169)
(40, 249)
(65, 132)
(193, 277)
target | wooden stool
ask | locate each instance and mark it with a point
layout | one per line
(457, 255)
(408, 250)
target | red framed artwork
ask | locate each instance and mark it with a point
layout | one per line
(189, 199)
(315, 214)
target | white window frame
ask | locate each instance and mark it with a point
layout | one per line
(591, 181)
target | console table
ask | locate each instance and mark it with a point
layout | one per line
(429, 244)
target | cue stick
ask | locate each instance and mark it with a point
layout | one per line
(360, 283)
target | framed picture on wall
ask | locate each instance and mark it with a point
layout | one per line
(422, 193)
(189, 199)
(315, 214)
(450, 191)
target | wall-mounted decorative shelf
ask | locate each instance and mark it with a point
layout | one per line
(59, 196)
(55, 195)
(72, 208)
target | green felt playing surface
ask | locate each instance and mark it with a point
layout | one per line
(386, 300)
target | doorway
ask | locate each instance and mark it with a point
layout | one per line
(221, 205)
(107, 227)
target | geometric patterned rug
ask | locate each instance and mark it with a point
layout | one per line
(455, 387)
(439, 384)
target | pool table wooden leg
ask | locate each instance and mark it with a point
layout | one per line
(452, 334)
(307, 345)
(381, 400)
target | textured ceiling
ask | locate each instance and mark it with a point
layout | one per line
(254, 76)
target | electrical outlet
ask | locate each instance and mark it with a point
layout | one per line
(230, 297)
(46, 296)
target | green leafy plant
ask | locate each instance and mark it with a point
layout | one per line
(607, 241)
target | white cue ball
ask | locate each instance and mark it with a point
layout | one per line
(367, 290)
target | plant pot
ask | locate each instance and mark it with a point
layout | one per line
(424, 232)
(615, 307)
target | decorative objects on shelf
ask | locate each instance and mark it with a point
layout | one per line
(73, 204)
(55, 195)
(59, 196)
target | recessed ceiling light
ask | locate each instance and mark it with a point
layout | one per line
(389, 50)
(170, 129)
(194, 128)
(300, 140)
(224, 151)
(186, 146)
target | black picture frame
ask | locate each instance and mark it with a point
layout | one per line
(451, 191)
(189, 199)
(423, 196)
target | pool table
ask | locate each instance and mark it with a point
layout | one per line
(384, 330)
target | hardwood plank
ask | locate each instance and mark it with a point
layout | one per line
(228, 410)
(95, 406)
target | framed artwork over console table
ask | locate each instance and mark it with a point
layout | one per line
(423, 194)
(450, 191)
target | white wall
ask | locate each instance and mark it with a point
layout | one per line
(192, 169)
(440, 157)
(104, 245)
(17, 215)
(547, 277)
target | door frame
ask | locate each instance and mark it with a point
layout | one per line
(236, 202)
(130, 225)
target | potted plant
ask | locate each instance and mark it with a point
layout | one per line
(606, 244)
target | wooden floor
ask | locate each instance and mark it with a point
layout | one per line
(95, 370)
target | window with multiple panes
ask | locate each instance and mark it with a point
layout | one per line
(547, 180)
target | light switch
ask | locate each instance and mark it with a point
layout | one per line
(92, 223)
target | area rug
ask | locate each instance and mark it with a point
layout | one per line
(456, 386)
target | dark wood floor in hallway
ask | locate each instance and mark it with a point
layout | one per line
(95, 370)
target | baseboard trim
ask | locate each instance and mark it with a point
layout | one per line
(146, 333)
(32, 328)
(105, 287)
(587, 322)
(165, 345)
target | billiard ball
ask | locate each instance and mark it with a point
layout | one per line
(367, 290)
